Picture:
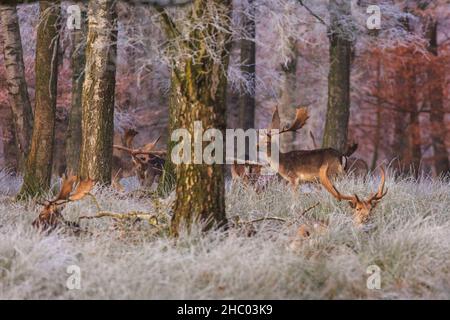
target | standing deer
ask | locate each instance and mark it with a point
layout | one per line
(147, 164)
(304, 165)
(362, 209)
(353, 165)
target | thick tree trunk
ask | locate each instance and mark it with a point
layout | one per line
(39, 163)
(78, 62)
(288, 103)
(98, 92)
(436, 81)
(248, 63)
(15, 79)
(201, 96)
(336, 125)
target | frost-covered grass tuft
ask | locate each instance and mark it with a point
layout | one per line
(409, 242)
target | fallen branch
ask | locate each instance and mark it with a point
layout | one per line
(152, 219)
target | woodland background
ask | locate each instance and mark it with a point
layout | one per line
(282, 52)
(399, 84)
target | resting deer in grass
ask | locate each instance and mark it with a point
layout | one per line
(304, 165)
(50, 217)
(146, 163)
(353, 165)
(362, 209)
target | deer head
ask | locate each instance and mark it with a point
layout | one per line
(361, 208)
(50, 216)
(142, 158)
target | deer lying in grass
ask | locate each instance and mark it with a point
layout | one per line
(361, 209)
(304, 165)
(353, 165)
(147, 164)
(50, 217)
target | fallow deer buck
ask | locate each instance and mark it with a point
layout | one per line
(72, 189)
(147, 164)
(304, 165)
(362, 209)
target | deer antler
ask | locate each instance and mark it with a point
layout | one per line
(323, 176)
(380, 193)
(66, 187)
(128, 137)
(149, 146)
(275, 123)
(83, 188)
(300, 120)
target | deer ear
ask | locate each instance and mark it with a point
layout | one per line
(352, 204)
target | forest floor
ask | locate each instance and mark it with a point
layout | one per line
(409, 242)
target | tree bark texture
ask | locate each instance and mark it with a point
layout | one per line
(200, 95)
(40, 158)
(338, 109)
(16, 83)
(78, 62)
(98, 92)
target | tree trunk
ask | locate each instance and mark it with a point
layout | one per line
(378, 122)
(288, 102)
(200, 93)
(39, 162)
(336, 125)
(16, 83)
(415, 139)
(9, 145)
(78, 62)
(248, 63)
(168, 177)
(98, 92)
(436, 81)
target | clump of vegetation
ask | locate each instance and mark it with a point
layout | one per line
(133, 258)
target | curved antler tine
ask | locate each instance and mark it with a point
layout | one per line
(323, 176)
(381, 192)
(156, 141)
(131, 151)
(275, 123)
(301, 117)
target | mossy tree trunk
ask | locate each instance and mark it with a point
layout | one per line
(78, 62)
(98, 92)
(338, 109)
(16, 83)
(200, 95)
(39, 162)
